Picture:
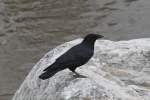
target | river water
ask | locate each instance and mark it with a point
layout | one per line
(30, 28)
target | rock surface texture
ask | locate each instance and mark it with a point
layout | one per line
(117, 71)
(29, 28)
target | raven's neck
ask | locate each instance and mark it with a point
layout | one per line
(89, 43)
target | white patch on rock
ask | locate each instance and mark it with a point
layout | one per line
(117, 71)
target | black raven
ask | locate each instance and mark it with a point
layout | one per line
(73, 58)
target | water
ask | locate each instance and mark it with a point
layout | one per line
(30, 28)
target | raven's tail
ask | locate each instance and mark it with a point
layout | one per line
(51, 67)
(47, 75)
(50, 71)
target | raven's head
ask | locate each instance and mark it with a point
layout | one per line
(93, 36)
(90, 39)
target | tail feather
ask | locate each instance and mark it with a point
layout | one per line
(51, 66)
(50, 71)
(47, 75)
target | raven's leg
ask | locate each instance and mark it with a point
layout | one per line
(77, 75)
(73, 70)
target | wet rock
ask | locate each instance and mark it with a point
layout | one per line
(117, 71)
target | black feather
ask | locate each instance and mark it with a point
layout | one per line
(47, 74)
(73, 58)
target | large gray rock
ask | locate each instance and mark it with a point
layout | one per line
(117, 71)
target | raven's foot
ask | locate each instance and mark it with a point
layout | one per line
(78, 75)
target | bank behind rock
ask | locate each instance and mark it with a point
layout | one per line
(118, 71)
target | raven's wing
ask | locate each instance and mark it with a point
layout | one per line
(76, 56)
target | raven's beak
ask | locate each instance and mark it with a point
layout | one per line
(99, 36)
